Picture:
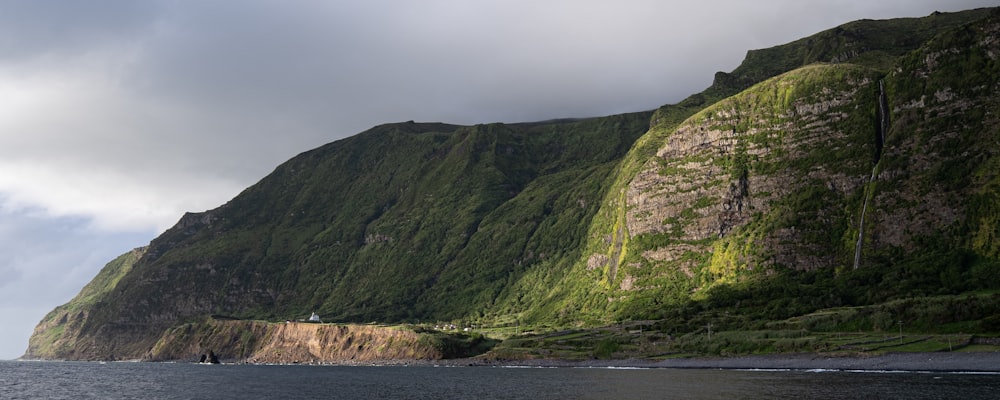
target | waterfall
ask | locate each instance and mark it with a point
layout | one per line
(861, 228)
(882, 115)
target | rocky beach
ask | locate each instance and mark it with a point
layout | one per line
(935, 362)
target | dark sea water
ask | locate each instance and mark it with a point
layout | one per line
(78, 380)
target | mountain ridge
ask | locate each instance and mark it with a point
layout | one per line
(583, 222)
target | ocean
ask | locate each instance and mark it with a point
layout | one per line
(134, 380)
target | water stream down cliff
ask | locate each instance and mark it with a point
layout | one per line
(882, 117)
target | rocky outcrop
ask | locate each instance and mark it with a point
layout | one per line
(783, 174)
(941, 152)
(292, 342)
(67, 331)
(745, 159)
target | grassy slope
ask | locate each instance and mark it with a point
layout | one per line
(664, 283)
(404, 222)
(489, 224)
(874, 44)
(56, 333)
(936, 284)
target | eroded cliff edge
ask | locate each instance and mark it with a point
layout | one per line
(304, 342)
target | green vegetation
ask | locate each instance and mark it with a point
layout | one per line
(458, 345)
(734, 211)
(939, 323)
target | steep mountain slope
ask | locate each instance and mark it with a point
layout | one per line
(403, 222)
(869, 142)
(61, 334)
(779, 178)
(761, 181)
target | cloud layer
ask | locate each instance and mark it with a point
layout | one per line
(118, 116)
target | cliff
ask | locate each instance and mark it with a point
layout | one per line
(302, 342)
(774, 192)
(853, 167)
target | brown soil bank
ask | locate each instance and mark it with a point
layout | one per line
(297, 342)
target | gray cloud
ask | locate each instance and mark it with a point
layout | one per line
(118, 116)
(41, 28)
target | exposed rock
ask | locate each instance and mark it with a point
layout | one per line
(597, 261)
(291, 342)
(704, 182)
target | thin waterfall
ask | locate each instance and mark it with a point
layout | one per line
(861, 230)
(882, 115)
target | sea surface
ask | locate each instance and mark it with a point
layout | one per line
(124, 380)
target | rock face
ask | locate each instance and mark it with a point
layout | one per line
(739, 166)
(576, 222)
(768, 179)
(784, 174)
(68, 332)
(292, 342)
(939, 173)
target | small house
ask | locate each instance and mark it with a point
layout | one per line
(314, 318)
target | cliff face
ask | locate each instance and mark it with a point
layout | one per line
(735, 176)
(293, 342)
(786, 173)
(846, 150)
(884, 165)
(938, 180)
(767, 180)
(66, 332)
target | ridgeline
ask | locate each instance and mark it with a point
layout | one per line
(844, 182)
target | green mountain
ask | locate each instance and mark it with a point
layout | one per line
(854, 167)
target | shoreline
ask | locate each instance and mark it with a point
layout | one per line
(943, 362)
(976, 362)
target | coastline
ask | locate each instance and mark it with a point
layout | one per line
(941, 362)
(908, 362)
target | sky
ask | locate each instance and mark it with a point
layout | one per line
(117, 116)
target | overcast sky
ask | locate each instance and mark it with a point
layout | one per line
(116, 117)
